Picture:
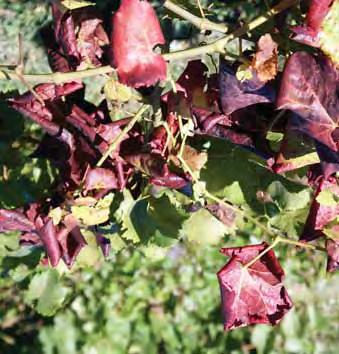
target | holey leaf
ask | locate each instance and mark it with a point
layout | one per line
(310, 88)
(254, 294)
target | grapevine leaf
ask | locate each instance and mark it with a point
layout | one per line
(12, 220)
(136, 31)
(76, 4)
(265, 61)
(332, 247)
(321, 27)
(100, 178)
(309, 89)
(202, 227)
(236, 94)
(46, 291)
(93, 215)
(254, 294)
(322, 211)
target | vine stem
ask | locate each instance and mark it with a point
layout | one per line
(201, 22)
(122, 134)
(219, 44)
(280, 239)
(216, 46)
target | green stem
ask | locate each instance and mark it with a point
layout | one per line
(122, 134)
(56, 78)
(266, 250)
(202, 23)
(219, 45)
(280, 239)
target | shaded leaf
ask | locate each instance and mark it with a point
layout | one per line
(309, 88)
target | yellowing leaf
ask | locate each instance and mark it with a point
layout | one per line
(115, 91)
(75, 4)
(327, 198)
(93, 215)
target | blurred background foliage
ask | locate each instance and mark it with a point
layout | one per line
(135, 302)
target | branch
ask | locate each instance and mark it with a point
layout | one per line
(202, 23)
(219, 44)
(56, 78)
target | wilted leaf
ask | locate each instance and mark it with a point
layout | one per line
(265, 61)
(254, 294)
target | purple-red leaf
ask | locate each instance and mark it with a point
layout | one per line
(136, 31)
(100, 178)
(14, 220)
(320, 213)
(310, 88)
(332, 247)
(252, 294)
(48, 235)
(236, 94)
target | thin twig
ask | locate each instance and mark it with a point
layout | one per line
(201, 22)
(122, 134)
(219, 44)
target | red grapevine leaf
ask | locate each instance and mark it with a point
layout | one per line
(310, 88)
(100, 178)
(332, 247)
(320, 214)
(14, 220)
(236, 94)
(80, 36)
(48, 235)
(136, 31)
(253, 295)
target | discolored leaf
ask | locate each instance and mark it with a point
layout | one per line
(75, 4)
(252, 294)
(136, 31)
(324, 209)
(265, 61)
(309, 88)
(321, 27)
(236, 94)
(332, 247)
